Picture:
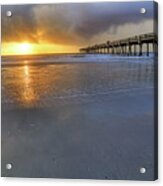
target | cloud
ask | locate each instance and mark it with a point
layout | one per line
(20, 26)
(123, 31)
(73, 24)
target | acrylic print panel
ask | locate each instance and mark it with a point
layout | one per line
(79, 90)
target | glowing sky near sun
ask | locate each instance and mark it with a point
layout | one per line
(24, 48)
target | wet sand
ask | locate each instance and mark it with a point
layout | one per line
(93, 124)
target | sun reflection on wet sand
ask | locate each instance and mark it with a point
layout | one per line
(28, 94)
(26, 71)
(28, 86)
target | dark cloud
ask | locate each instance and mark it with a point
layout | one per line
(72, 24)
(20, 25)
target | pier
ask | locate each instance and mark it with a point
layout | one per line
(132, 46)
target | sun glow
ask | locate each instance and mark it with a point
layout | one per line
(17, 48)
(24, 48)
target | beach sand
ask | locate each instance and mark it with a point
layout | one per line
(53, 129)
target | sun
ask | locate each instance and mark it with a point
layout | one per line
(24, 48)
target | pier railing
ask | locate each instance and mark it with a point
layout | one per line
(129, 46)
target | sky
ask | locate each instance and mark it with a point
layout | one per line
(66, 27)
